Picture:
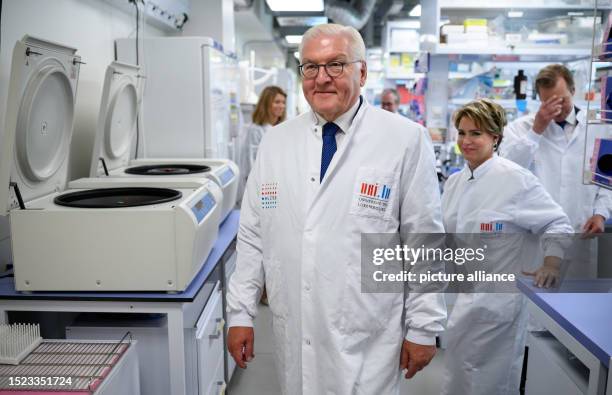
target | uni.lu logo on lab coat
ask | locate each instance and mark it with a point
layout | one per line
(374, 190)
(269, 195)
(491, 227)
(373, 199)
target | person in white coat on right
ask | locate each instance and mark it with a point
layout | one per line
(495, 199)
(551, 144)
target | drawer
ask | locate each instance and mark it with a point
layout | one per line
(209, 343)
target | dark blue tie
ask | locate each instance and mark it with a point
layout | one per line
(561, 124)
(329, 146)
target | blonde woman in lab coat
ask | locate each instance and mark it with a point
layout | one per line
(486, 331)
(271, 110)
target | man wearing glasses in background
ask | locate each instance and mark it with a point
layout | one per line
(390, 100)
(320, 181)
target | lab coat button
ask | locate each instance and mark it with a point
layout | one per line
(312, 179)
(307, 287)
(307, 341)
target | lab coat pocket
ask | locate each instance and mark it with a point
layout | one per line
(277, 292)
(496, 307)
(375, 193)
(362, 315)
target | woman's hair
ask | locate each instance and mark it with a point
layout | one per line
(262, 114)
(488, 116)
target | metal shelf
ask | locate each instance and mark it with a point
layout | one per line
(460, 75)
(408, 76)
(517, 5)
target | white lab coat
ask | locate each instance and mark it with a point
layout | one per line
(303, 238)
(558, 164)
(486, 331)
(248, 144)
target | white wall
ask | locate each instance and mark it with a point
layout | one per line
(91, 26)
(213, 19)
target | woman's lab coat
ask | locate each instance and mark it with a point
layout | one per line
(486, 331)
(558, 164)
(303, 237)
(249, 142)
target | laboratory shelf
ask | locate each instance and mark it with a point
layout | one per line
(519, 49)
(502, 102)
(406, 76)
(522, 4)
(458, 75)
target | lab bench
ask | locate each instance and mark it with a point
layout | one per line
(186, 317)
(574, 357)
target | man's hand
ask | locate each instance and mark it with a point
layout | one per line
(547, 112)
(595, 224)
(240, 340)
(415, 357)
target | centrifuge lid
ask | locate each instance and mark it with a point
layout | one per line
(116, 128)
(39, 119)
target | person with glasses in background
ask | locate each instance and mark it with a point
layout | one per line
(390, 100)
(319, 182)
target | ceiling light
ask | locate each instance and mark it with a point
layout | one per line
(575, 13)
(301, 21)
(416, 11)
(295, 5)
(294, 40)
(297, 55)
(515, 14)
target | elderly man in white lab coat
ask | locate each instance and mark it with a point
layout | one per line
(551, 144)
(300, 233)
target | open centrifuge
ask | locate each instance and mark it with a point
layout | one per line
(117, 136)
(131, 235)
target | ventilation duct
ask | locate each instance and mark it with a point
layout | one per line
(346, 14)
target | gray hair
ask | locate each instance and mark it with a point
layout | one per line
(394, 92)
(356, 44)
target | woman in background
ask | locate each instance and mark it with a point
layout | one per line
(269, 111)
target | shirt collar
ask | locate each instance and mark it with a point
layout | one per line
(480, 170)
(571, 118)
(345, 120)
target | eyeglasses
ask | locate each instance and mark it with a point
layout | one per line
(333, 69)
